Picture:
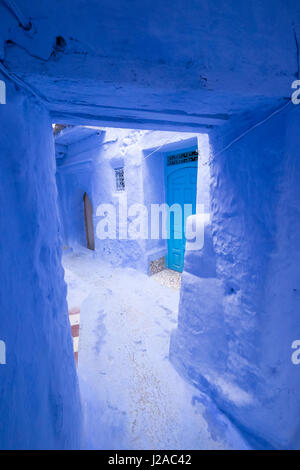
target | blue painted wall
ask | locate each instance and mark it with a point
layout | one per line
(239, 304)
(39, 394)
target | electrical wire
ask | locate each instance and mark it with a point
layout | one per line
(24, 22)
(12, 76)
(277, 111)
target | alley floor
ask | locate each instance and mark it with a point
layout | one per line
(132, 396)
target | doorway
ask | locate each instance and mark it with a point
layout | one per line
(88, 220)
(126, 316)
(181, 189)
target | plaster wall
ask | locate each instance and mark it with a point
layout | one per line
(39, 395)
(239, 302)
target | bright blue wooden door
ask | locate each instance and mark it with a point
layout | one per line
(181, 189)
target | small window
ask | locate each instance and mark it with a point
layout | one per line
(120, 180)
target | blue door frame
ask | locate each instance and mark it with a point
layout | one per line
(181, 188)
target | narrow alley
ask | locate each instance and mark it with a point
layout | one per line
(127, 383)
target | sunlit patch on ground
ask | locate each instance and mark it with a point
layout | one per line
(168, 278)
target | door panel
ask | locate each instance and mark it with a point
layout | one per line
(181, 189)
(88, 219)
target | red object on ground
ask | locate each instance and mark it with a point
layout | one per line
(74, 316)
